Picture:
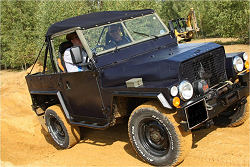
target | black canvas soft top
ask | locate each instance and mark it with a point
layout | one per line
(95, 19)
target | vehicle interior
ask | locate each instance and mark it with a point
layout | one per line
(62, 47)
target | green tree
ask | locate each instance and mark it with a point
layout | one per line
(18, 32)
(24, 23)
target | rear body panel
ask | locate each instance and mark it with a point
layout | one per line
(41, 82)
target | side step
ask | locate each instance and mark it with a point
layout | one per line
(88, 125)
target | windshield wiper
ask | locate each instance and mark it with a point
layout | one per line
(144, 34)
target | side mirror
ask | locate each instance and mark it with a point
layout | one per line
(76, 55)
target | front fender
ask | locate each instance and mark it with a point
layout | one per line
(231, 73)
(154, 95)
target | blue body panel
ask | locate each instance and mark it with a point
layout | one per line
(157, 62)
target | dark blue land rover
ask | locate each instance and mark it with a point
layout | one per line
(164, 89)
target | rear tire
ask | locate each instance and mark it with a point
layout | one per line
(156, 135)
(63, 134)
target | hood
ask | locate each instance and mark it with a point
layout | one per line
(187, 51)
(159, 68)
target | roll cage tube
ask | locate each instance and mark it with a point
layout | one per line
(54, 56)
(50, 51)
(51, 56)
(45, 58)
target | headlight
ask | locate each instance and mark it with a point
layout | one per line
(238, 64)
(245, 56)
(174, 91)
(186, 90)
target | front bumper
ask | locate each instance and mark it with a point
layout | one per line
(202, 109)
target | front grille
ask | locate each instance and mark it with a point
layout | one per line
(209, 66)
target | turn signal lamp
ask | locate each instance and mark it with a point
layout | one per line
(176, 101)
(247, 65)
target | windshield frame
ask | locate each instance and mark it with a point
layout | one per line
(126, 30)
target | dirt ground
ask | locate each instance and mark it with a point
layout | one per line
(24, 143)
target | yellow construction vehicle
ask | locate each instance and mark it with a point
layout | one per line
(185, 28)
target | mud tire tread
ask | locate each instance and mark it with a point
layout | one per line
(185, 138)
(72, 131)
(239, 121)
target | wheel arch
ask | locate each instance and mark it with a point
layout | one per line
(41, 100)
(123, 103)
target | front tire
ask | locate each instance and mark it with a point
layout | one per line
(234, 116)
(156, 136)
(63, 134)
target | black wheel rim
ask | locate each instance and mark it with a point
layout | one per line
(154, 137)
(56, 130)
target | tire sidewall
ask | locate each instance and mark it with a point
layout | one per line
(232, 117)
(50, 113)
(239, 113)
(171, 156)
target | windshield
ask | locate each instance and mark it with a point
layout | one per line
(143, 27)
(108, 37)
